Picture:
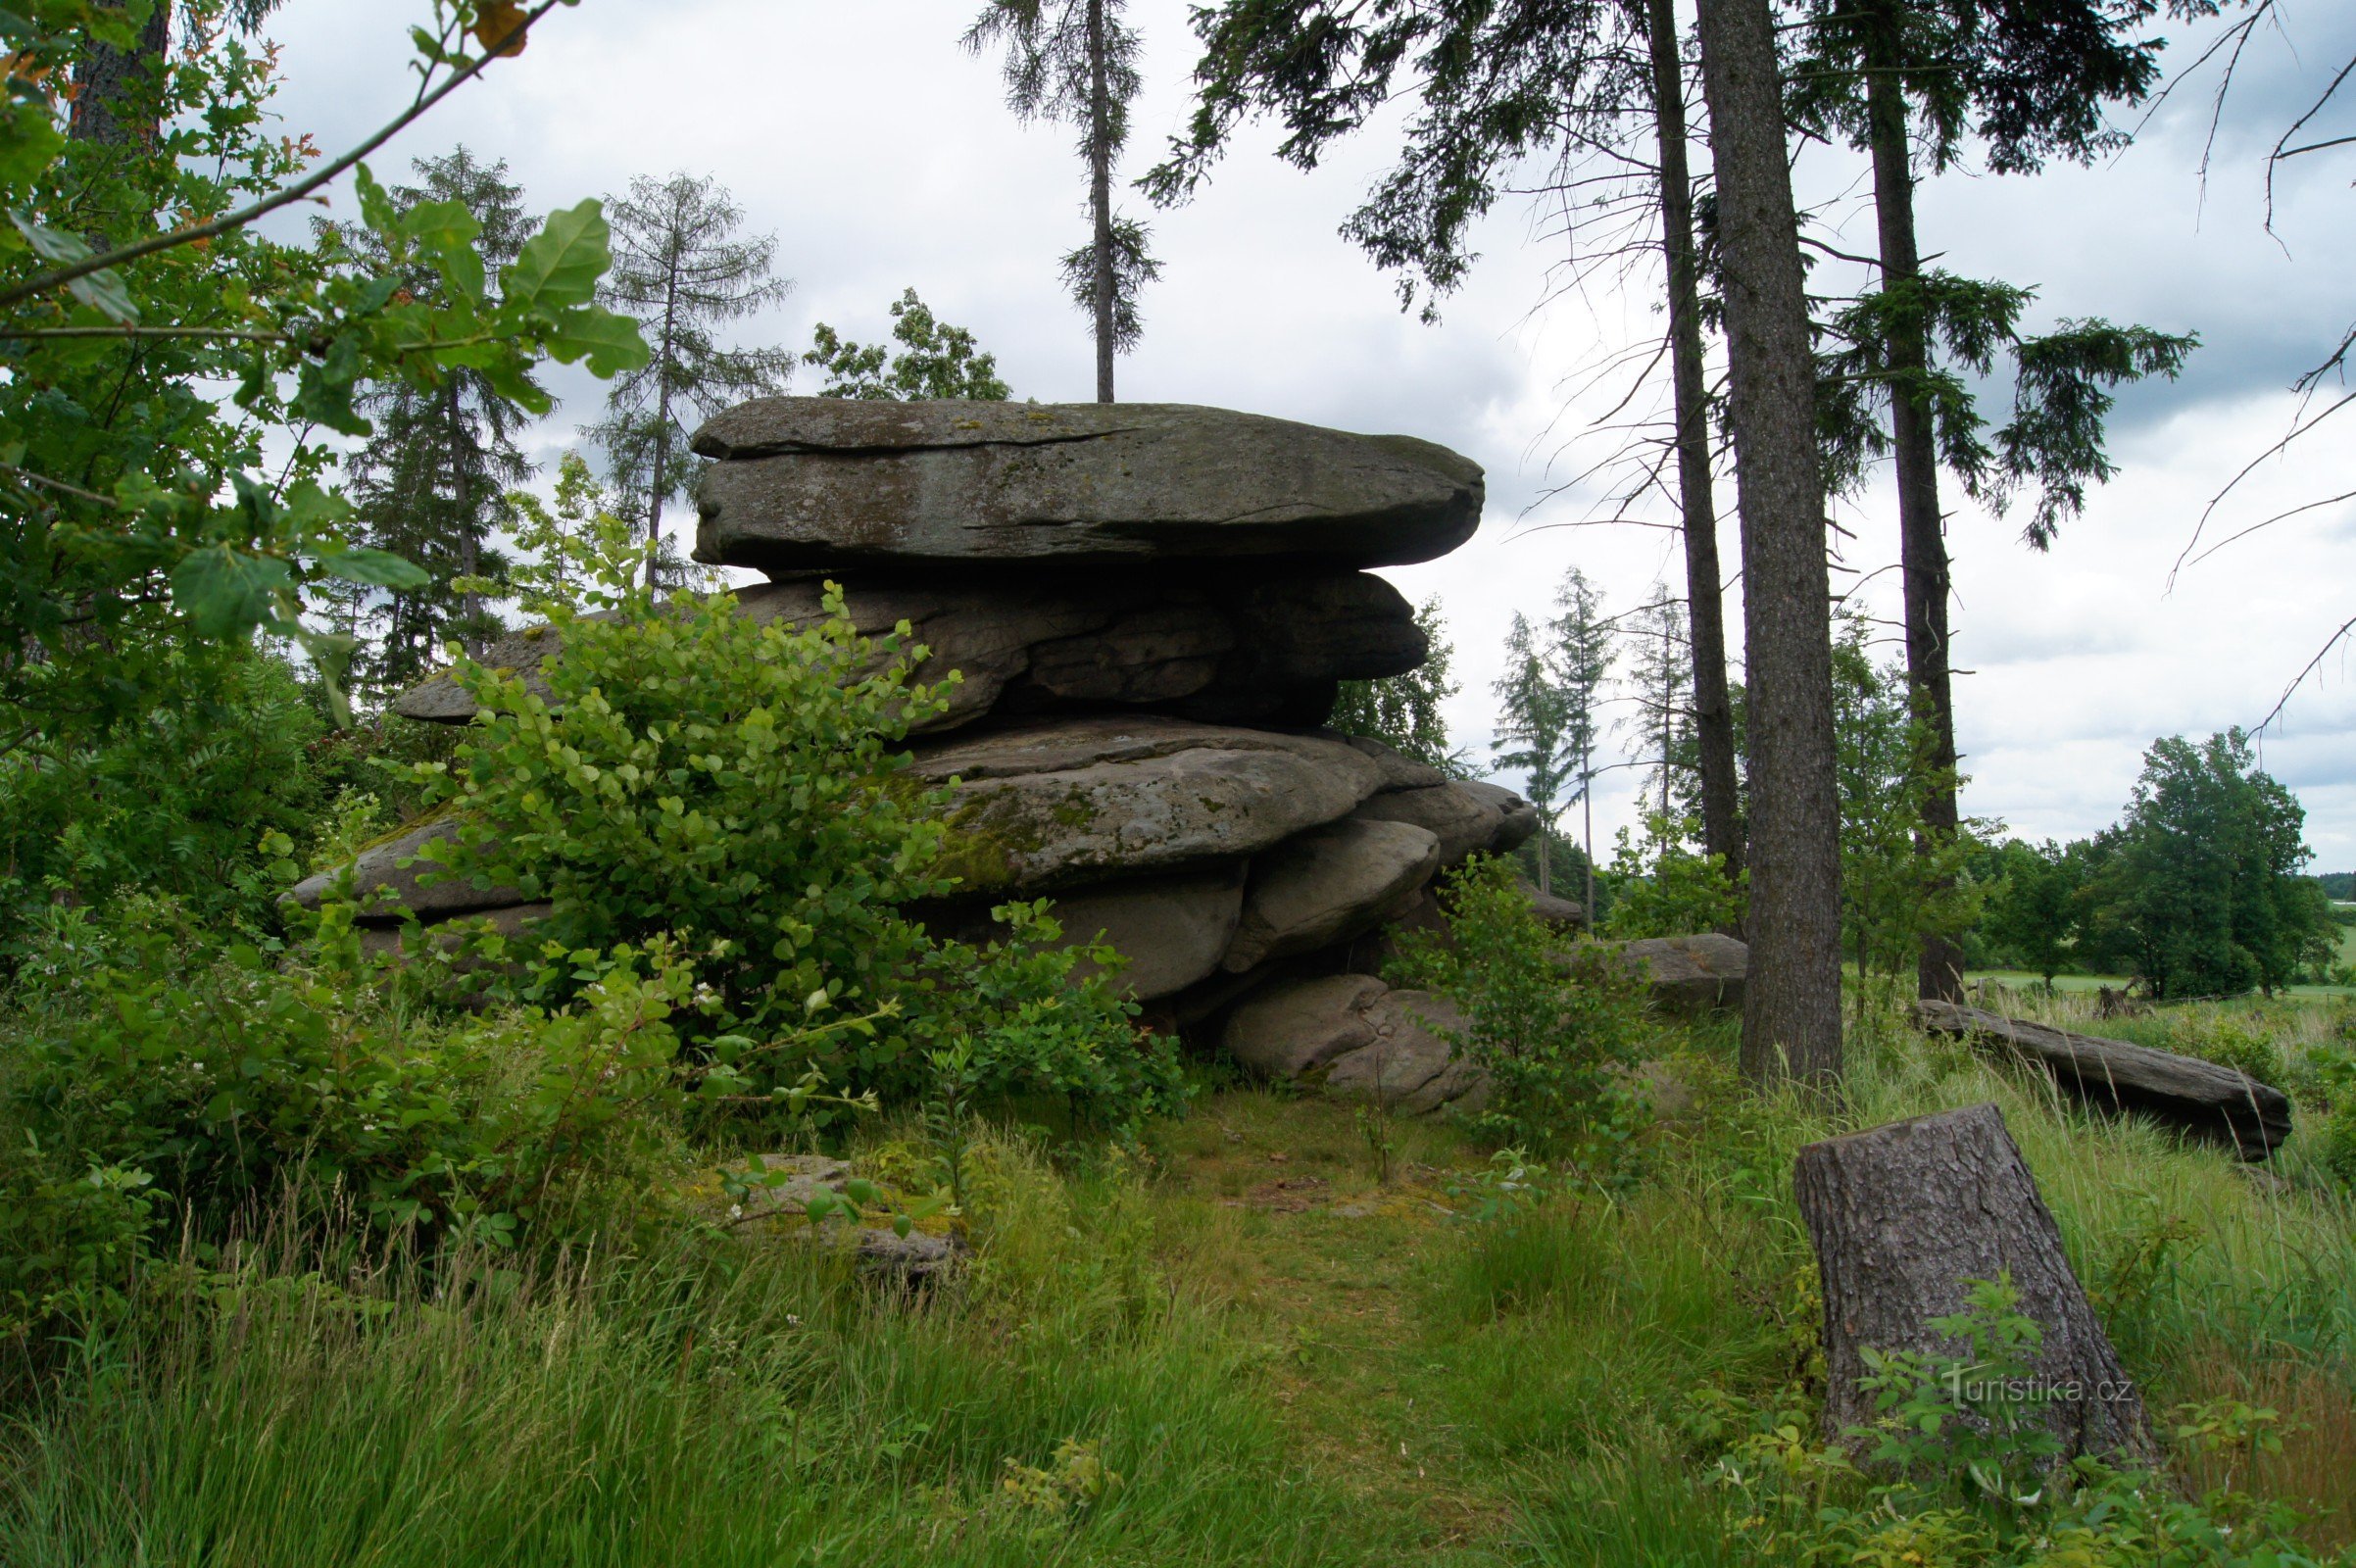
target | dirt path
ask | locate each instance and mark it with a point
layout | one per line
(1274, 1209)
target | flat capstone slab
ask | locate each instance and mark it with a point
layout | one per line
(823, 482)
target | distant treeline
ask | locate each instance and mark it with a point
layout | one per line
(2339, 885)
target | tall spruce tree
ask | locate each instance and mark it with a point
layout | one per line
(1582, 656)
(1075, 61)
(1662, 683)
(682, 268)
(1533, 732)
(430, 483)
(1908, 82)
(1791, 1004)
(1494, 85)
(1713, 721)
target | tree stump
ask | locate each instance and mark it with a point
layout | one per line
(1902, 1216)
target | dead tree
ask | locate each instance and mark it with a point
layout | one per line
(1902, 1216)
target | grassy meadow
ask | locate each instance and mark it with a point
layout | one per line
(1236, 1342)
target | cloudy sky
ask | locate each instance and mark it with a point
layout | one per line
(882, 158)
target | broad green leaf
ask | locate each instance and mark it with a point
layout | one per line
(101, 290)
(30, 143)
(380, 568)
(510, 377)
(309, 510)
(225, 594)
(377, 209)
(610, 343)
(446, 232)
(560, 266)
(325, 399)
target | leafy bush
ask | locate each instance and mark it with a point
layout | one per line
(692, 771)
(1013, 1018)
(2326, 1080)
(1662, 888)
(74, 1239)
(2239, 1041)
(1557, 1029)
(148, 1073)
(740, 788)
(179, 800)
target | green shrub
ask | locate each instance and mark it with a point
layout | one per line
(1557, 1028)
(74, 1239)
(149, 1073)
(2326, 1081)
(1023, 1022)
(2238, 1040)
(740, 788)
(1962, 1468)
(1664, 889)
(736, 784)
(179, 802)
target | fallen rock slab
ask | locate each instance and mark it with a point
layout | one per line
(1410, 1067)
(781, 1188)
(1326, 884)
(831, 482)
(1291, 1028)
(1555, 910)
(514, 923)
(1172, 929)
(2220, 1103)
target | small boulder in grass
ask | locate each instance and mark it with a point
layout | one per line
(830, 1200)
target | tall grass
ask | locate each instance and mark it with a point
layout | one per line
(753, 1402)
(1580, 1333)
(759, 1406)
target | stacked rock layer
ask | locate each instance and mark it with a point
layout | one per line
(1151, 606)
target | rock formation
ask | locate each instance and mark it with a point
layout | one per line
(1151, 606)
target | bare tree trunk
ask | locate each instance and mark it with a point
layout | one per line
(654, 508)
(1100, 192)
(1586, 805)
(1546, 856)
(1705, 606)
(658, 485)
(1791, 1004)
(1901, 1216)
(1914, 443)
(1668, 714)
(470, 602)
(106, 75)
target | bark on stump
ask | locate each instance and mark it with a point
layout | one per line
(1901, 1216)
